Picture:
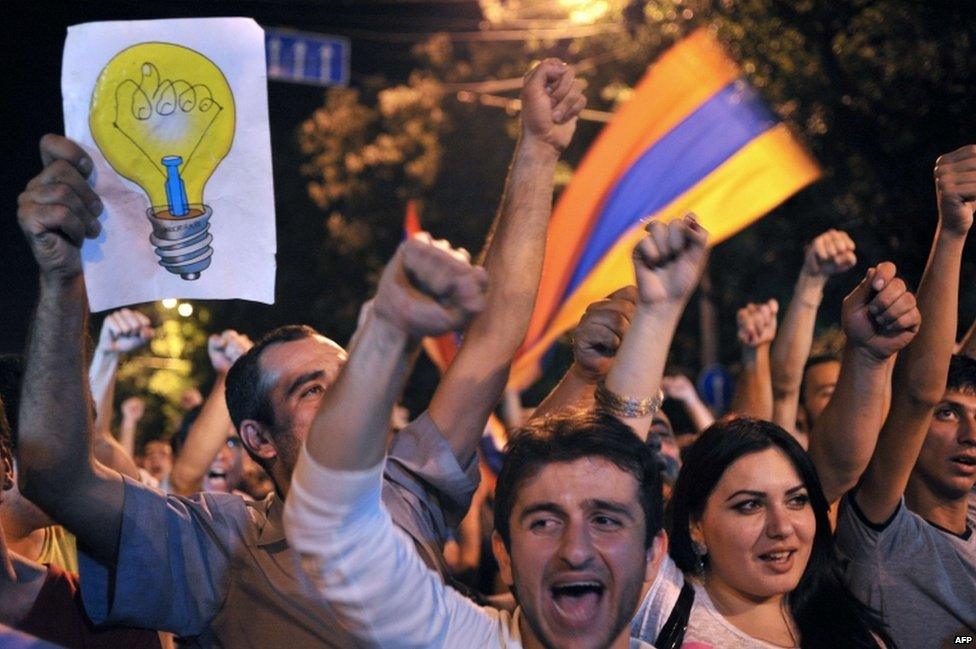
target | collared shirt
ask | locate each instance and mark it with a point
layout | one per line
(368, 572)
(217, 566)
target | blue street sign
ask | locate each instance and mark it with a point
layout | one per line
(302, 57)
(716, 386)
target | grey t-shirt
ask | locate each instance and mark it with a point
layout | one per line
(921, 578)
(217, 567)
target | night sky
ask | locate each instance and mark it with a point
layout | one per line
(380, 34)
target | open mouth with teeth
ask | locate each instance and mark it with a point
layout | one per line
(777, 557)
(577, 602)
(217, 478)
(966, 464)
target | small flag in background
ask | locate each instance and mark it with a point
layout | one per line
(694, 137)
(442, 349)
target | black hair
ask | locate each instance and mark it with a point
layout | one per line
(247, 393)
(570, 436)
(825, 611)
(813, 361)
(246, 387)
(11, 379)
(820, 359)
(140, 449)
(962, 374)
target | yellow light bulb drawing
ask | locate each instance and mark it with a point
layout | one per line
(163, 117)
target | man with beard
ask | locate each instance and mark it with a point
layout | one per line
(577, 506)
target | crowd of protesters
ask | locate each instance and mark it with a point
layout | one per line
(832, 506)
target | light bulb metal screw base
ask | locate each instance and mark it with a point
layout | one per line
(182, 242)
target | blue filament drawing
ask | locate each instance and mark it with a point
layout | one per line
(175, 190)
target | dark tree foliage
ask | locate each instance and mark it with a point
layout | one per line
(876, 90)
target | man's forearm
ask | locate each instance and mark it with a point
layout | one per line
(795, 335)
(754, 393)
(54, 424)
(516, 246)
(206, 437)
(967, 347)
(349, 432)
(923, 365)
(476, 378)
(845, 433)
(701, 417)
(918, 381)
(101, 375)
(791, 348)
(55, 463)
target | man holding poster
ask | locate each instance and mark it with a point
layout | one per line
(215, 566)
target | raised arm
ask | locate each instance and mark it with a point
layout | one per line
(333, 515)
(680, 388)
(209, 431)
(131, 411)
(879, 318)
(754, 390)
(595, 342)
(57, 471)
(668, 264)
(829, 254)
(473, 384)
(123, 332)
(427, 289)
(919, 380)
(967, 347)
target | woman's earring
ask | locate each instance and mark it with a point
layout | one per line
(700, 553)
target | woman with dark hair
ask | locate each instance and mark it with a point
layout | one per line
(748, 525)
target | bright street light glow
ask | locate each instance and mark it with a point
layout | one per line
(185, 309)
(169, 303)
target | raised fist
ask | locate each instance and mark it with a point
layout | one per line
(880, 315)
(757, 323)
(600, 331)
(225, 348)
(133, 409)
(955, 186)
(430, 288)
(829, 254)
(552, 98)
(124, 331)
(668, 262)
(58, 209)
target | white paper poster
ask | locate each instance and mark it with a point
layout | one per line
(175, 115)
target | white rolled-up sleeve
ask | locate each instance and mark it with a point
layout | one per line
(368, 571)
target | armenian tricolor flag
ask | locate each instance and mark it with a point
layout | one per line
(693, 137)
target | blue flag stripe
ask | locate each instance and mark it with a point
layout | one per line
(725, 123)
